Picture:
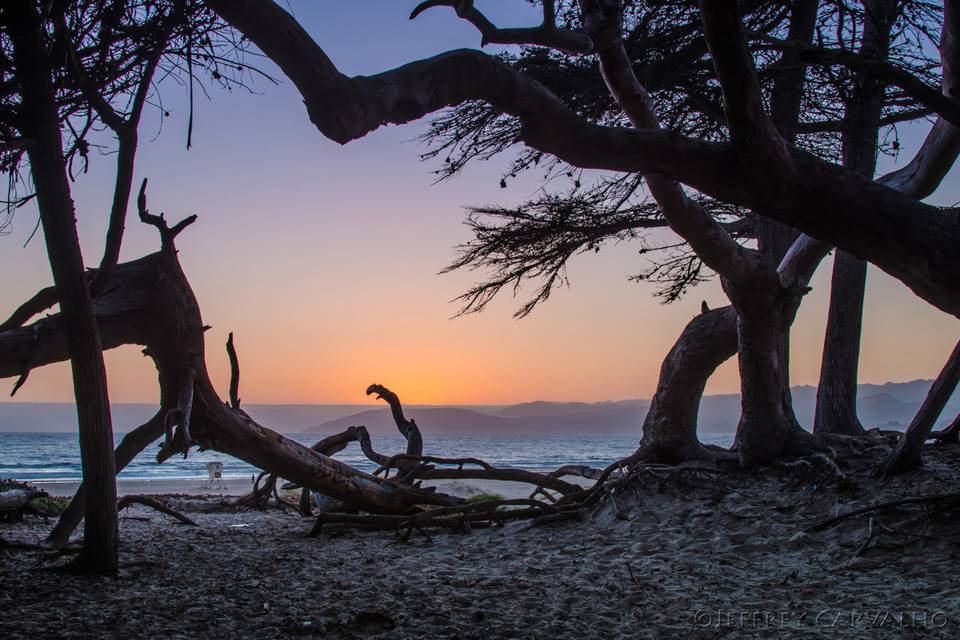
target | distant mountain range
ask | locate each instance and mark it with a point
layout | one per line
(890, 405)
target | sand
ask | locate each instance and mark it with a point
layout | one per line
(713, 558)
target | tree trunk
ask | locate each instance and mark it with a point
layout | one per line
(836, 410)
(670, 426)
(131, 445)
(908, 454)
(41, 124)
(768, 428)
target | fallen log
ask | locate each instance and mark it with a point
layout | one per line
(14, 502)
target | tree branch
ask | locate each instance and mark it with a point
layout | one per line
(547, 34)
(750, 126)
(882, 70)
(712, 244)
(167, 234)
(234, 373)
(911, 241)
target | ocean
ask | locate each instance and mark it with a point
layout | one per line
(56, 456)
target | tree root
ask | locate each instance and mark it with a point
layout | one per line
(949, 500)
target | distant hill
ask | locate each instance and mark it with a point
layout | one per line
(892, 405)
(455, 421)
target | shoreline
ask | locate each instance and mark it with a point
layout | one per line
(240, 485)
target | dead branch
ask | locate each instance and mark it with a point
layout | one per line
(234, 373)
(426, 471)
(458, 518)
(948, 435)
(407, 428)
(547, 34)
(156, 505)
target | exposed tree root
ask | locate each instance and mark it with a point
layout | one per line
(945, 501)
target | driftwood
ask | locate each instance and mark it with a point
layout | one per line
(457, 518)
(149, 302)
(14, 503)
(155, 504)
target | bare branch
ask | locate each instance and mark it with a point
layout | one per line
(884, 71)
(545, 35)
(234, 373)
(167, 234)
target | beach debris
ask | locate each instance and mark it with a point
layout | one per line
(155, 504)
(17, 501)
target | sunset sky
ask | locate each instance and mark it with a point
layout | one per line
(322, 259)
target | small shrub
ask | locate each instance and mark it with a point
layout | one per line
(52, 505)
(484, 497)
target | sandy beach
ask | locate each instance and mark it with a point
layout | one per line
(726, 557)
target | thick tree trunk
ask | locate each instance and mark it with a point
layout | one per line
(768, 428)
(41, 124)
(908, 454)
(670, 426)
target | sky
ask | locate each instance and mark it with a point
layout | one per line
(323, 259)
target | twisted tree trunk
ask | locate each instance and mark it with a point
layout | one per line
(670, 426)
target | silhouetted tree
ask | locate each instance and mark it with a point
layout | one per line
(77, 66)
(754, 167)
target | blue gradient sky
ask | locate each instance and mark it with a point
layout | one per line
(323, 259)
